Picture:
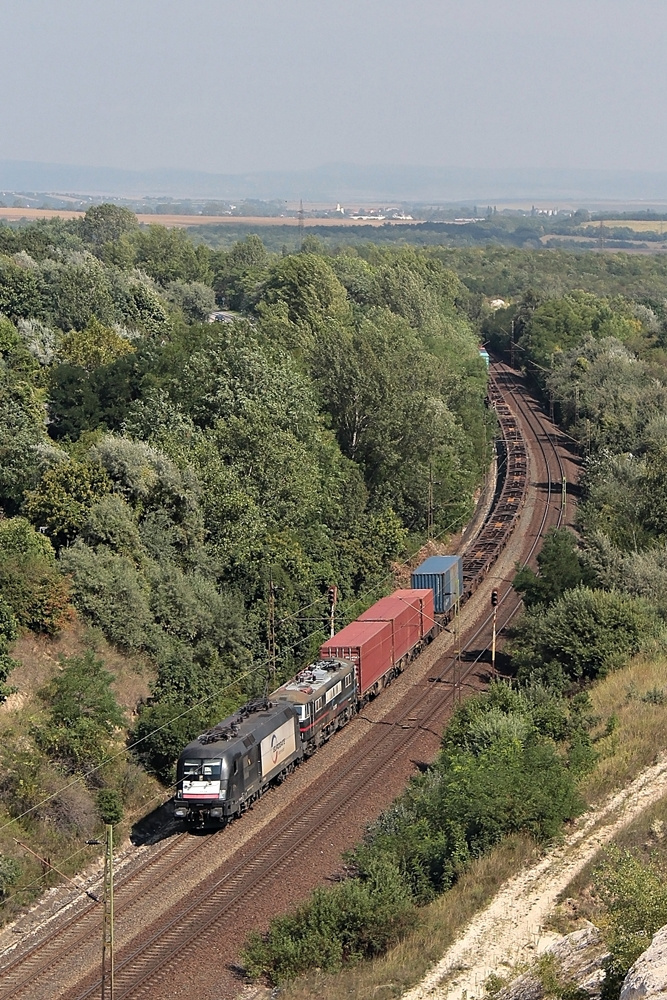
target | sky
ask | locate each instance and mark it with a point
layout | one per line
(256, 85)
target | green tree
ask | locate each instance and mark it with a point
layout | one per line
(77, 288)
(560, 569)
(107, 223)
(169, 255)
(94, 346)
(65, 494)
(20, 290)
(308, 286)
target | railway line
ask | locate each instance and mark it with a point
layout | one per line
(281, 851)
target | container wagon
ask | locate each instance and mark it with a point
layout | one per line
(444, 576)
(369, 646)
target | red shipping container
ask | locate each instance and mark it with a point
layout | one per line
(405, 619)
(424, 601)
(368, 645)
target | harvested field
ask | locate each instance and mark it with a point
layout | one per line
(31, 214)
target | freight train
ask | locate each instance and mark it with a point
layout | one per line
(221, 773)
(226, 769)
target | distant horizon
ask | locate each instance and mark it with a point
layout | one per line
(336, 182)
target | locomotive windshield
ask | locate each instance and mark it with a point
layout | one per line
(202, 770)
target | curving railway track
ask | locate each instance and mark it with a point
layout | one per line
(200, 895)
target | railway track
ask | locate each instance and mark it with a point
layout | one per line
(144, 962)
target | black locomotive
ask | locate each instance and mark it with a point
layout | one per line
(223, 771)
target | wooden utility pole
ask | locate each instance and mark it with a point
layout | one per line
(107, 919)
(272, 630)
(563, 499)
(332, 597)
(429, 514)
(494, 605)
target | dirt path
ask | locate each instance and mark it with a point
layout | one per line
(509, 929)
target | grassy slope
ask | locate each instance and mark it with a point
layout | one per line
(59, 831)
(640, 733)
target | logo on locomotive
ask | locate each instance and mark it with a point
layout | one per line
(276, 746)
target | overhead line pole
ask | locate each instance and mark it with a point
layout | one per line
(107, 919)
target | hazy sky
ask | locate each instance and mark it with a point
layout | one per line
(281, 84)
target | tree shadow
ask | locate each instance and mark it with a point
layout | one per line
(156, 826)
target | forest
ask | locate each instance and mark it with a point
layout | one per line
(168, 483)
(170, 486)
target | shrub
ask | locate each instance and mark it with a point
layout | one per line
(560, 570)
(29, 579)
(10, 873)
(111, 592)
(109, 806)
(83, 713)
(583, 635)
(359, 918)
(8, 632)
(634, 893)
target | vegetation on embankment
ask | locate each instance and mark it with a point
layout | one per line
(630, 698)
(592, 605)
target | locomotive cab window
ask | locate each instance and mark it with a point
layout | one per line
(202, 770)
(318, 705)
(348, 680)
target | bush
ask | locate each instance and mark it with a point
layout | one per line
(560, 569)
(83, 713)
(29, 579)
(359, 918)
(634, 893)
(109, 806)
(498, 774)
(10, 873)
(111, 592)
(582, 636)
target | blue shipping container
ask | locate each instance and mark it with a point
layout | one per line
(444, 576)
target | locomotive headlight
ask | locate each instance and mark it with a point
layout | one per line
(180, 813)
(216, 813)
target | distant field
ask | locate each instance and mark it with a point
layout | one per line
(638, 225)
(30, 214)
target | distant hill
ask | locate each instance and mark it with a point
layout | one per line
(343, 182)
